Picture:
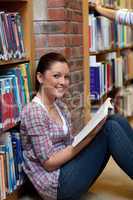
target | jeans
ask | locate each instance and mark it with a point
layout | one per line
(77, 175)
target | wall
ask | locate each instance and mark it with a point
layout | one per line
(58, 27)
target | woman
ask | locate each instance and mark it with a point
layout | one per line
(123, 16)
(56, 168)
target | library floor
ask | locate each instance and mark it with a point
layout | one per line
(113, 184)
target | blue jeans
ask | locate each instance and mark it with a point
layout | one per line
(116, 139)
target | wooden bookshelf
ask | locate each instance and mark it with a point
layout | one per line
(99, 54)
(24, 7)
(85, 61)
(14, 61)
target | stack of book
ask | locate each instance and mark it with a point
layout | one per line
(15, 92)
(105, 75)
(11, 173)
(105, 34)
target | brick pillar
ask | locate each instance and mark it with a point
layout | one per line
(59, 28)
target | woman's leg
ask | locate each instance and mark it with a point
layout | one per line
(124, 124)
(79, 174)
(120, 142)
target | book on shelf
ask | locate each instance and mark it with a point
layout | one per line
(2, 179)
(11, 160)
(105, 34)
(15, 92)
(97, 118)
(11, 36)
(115, 3)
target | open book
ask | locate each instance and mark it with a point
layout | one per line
(101, 114)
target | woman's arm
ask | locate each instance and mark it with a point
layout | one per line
(63, 156)
(123, 16)
(111, 14)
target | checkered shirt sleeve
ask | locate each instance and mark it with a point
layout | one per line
(36, 124)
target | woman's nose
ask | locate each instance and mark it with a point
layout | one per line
(62, 80)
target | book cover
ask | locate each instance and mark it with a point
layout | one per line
(101, 114)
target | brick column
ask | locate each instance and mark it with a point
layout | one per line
(59, 28)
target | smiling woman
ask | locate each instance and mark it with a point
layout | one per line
(58, 170)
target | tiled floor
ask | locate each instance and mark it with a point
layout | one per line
(113, 184)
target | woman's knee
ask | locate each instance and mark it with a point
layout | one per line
(118, 118)
(111, 125)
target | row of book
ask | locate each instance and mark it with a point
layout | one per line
(111, 73)
(115, 3)
(105, 34)
(11, 36)
(124, 101)
(11, 159)
(15, 92)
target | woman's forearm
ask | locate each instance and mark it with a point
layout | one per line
(65, 155)
(106, 12)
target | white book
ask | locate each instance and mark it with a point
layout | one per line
(101, 114)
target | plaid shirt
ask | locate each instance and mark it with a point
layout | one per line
(41, 137)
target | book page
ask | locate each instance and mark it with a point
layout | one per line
(96, 119)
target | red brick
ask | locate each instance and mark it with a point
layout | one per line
(77, 16)
(55, 49)
(39, 52)
(56, 40)
(51, 27)
(77, 40)
(75, 5)
(68, 52)
(69, 14)
(76, 27)
(76, 76)
(77, 52)
(55, 3)
(56, 14)
(76, 64)
(40, 40)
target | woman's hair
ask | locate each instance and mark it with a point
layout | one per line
(45, 63)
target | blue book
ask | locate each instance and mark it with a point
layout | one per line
(5, 139)
(5, 149)
(17, 72)
(18, 155)
(95, 90)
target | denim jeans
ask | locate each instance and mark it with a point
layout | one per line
(77, 175)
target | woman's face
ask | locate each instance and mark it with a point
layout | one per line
(55, 81)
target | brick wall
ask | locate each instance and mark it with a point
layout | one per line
(58, 27)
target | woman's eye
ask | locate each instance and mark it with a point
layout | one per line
(56, 75)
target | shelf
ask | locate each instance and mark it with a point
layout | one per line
(13, 1)
(14, 61)
(110, 50)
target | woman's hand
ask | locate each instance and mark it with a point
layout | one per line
(97, 3)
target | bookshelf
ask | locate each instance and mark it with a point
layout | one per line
(100, 54)
(24, 8)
